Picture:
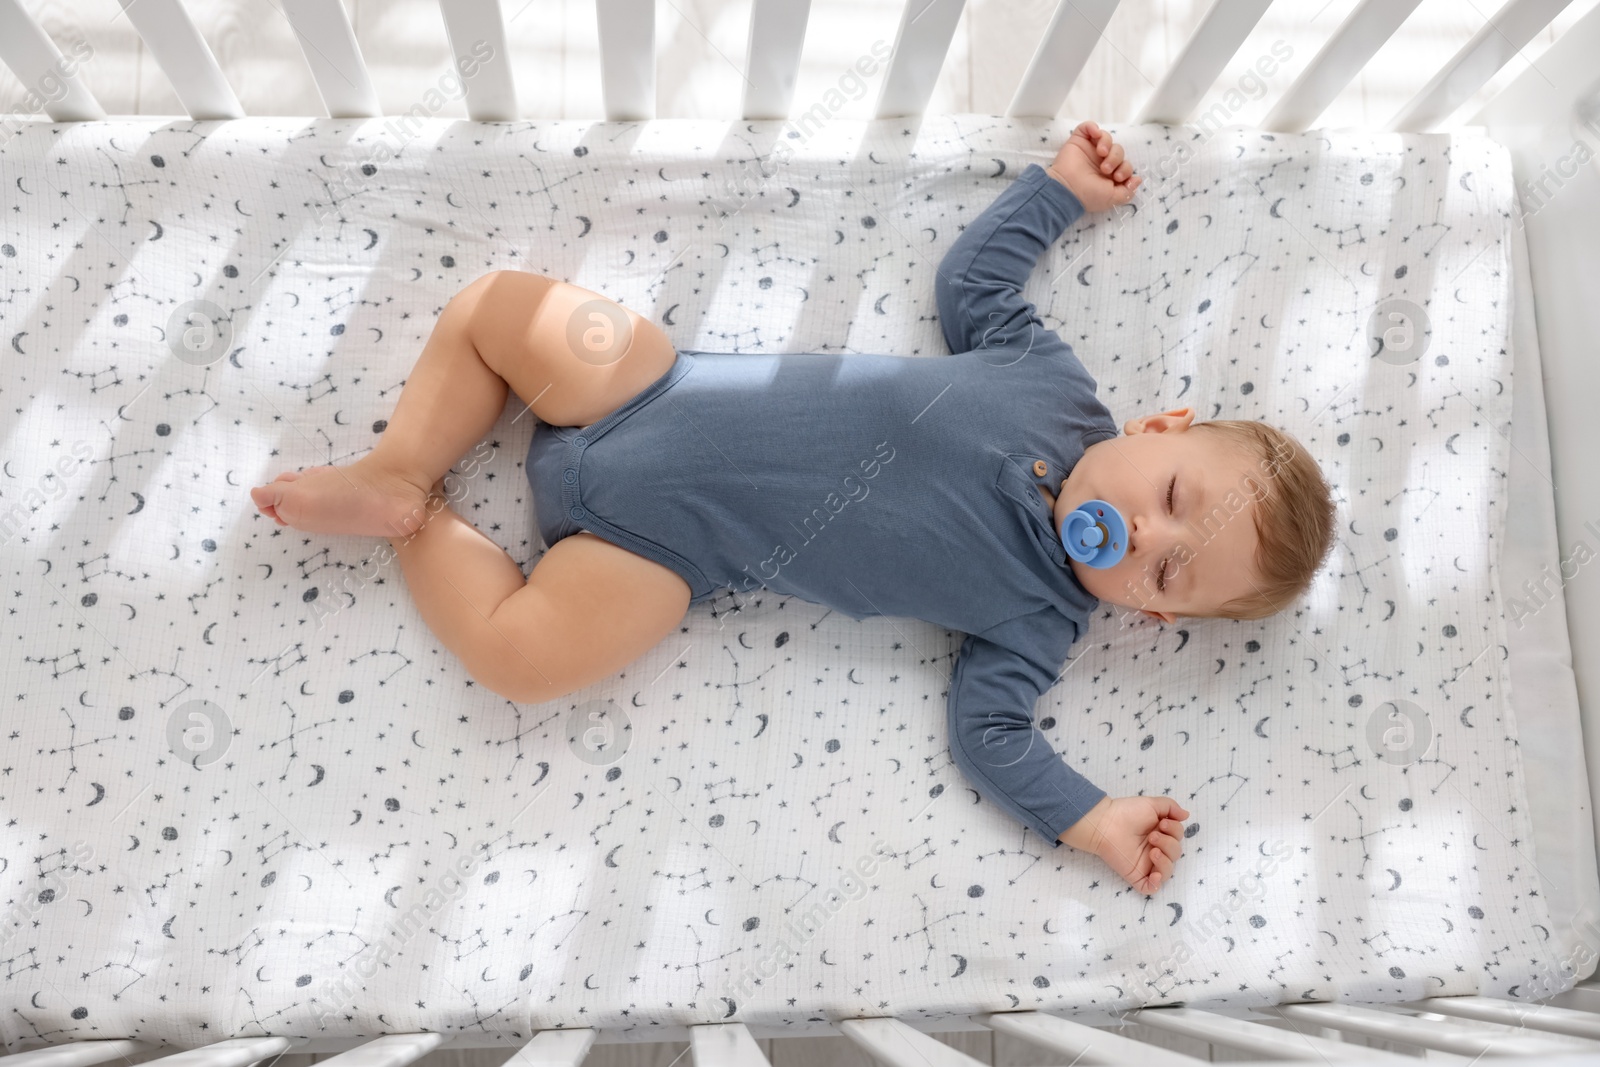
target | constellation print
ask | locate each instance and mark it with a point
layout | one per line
(374, 799)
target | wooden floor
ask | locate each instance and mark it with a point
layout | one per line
(701, 54)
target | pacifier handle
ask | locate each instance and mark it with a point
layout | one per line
(1095, 534)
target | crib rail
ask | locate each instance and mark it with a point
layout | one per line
(184, 57)
(627, 38)
(1356, 40)
(1512, 27)
(75, 1054)
(725, 1045)
(329, 43)
(34, 58)
(1288, 1034)
(1221, 31)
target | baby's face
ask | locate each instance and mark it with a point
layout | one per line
(1186, 561)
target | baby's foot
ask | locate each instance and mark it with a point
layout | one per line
(357, 499)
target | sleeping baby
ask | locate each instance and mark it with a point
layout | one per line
(934, 488)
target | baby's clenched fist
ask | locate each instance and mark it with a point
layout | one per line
(1091, 164)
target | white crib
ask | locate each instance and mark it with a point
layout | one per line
(1536, 117)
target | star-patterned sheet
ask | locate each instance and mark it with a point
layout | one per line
(243, 789)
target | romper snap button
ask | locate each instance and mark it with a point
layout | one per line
(580, 441)
(569, 475)
(576, 513)
(1040, 468)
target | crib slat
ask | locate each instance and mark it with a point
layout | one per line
(777, 30)
(1207, 51)
(331, 51)
(627, 58)
(473, 26)
(1531, 1016)
(554, 1048)
(34, 57)
(233, 1052)
(184, 57)
(1490, 49)
(892, 1042)
(1254, 1037)
(1394, 1026)
(391, 1050)
(725, 1045)
(1073, 31)
(1356, 40)
(1082, 1044)
(920, 45)
(75, 1053)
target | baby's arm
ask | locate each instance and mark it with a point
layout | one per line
(978, 287)
(993, 740)
(993, 690)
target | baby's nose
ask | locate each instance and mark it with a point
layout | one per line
(1136, 527)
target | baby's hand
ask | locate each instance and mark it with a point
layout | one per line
(1091, 165)
(1140, 838)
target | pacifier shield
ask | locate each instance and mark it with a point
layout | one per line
(1095, 533)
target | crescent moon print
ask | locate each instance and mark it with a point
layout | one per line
(785, 755)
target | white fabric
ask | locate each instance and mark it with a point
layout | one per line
(1542, 686)
(771, 747)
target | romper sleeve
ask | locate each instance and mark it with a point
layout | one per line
(978, 288)
(998, 676)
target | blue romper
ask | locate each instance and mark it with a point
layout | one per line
(879, 485)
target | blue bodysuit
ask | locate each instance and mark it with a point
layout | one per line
(880, 485)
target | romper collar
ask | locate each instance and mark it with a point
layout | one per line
(1017, 480)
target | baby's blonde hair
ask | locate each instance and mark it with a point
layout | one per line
(1294, 517)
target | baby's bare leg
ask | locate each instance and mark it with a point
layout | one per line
(588, 610)
(590, 607)
(509, 330)
(450, 400)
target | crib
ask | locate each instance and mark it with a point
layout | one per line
(1535, 215)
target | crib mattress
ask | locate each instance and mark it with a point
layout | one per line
(247, 792)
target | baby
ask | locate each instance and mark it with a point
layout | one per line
(930, 488)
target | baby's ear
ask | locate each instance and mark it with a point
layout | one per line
(1176, 420)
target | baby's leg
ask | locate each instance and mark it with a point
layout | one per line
(590, 607)
(588, 610)
(507, 330)
(450, 400)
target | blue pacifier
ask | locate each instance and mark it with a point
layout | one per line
(1095, 534)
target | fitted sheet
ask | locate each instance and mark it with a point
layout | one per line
(181, 893)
